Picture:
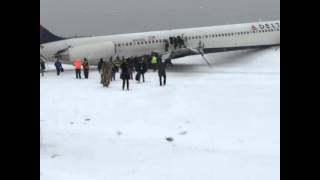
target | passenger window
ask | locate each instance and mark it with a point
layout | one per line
(138, 43)
(130, 44)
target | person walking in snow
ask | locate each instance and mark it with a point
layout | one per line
(106, 74)
(141, 69)
(154, 62)
(114, 71)
(100, 65)
(86, 68)
(42, 66)
(58, 66)
(162, 72)
(77, 63)
(125, 74)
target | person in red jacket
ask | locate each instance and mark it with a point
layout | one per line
(77, 63)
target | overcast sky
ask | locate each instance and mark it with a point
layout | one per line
(103, 17)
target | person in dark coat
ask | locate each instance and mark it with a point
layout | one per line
(175, 42)
(131, 66)
(86, 67)
(58, 66)
(166, 45)
(141, 69)
(162, 72)
(114, 70)
(100, 65)
(125, 74)
(138, 68)
(42, 66)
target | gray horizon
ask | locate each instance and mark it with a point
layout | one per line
(102, 17)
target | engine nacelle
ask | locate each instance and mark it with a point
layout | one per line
(93, 52)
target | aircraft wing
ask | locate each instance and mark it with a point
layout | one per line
(182, 52)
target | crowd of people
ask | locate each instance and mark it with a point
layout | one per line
(109, 68)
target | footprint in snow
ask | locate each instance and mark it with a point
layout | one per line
(54, 155)
(169, 139)
(183, 132)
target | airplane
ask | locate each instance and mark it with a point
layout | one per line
(169, 44)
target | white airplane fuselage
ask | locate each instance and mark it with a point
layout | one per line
(212, 39)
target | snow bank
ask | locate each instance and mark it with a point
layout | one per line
(224, 122)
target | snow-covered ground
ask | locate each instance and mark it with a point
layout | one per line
(224, 122)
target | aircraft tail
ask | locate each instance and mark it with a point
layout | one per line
(46, 36)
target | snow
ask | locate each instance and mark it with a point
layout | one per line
(224, 122)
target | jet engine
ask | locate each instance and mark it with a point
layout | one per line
(93, 52)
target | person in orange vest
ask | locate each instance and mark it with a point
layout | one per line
(77, 63)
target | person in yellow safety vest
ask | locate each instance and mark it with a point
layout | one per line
(154, 62)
